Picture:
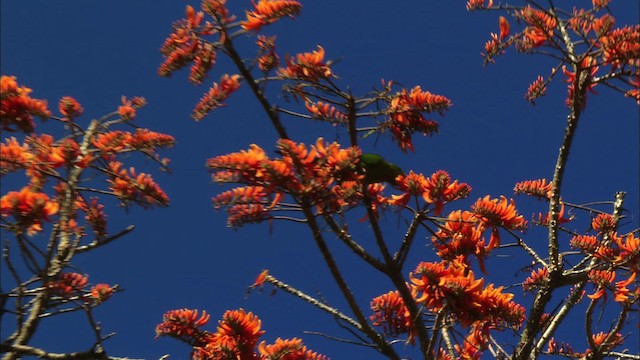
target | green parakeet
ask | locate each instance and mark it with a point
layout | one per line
(377, 169)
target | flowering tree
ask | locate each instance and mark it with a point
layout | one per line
(60, 211)
(447, 308)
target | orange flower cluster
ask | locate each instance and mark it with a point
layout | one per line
(478, 4)
(127, 110)
(560, 348)
(537, 89)
(323, 175)
(538, 188)
(287, 349)
(537, 278)
(101, 292)
(541, 26)
(184, 324)
(621, 46)
(114, 142)
(140, 189)
(216, 96)
(269, 11)
(218, 10)
(69, 107)
(496, 45)
(622, 254)
(268, 58)
(603, 223)
(73, 284)
(236, 337)
(95, 216)
(460, 237)
(309, 66)
(40, 155)
(13, 156)
(183, 45)
(405, 114)
(68, 284)
(498, 213)
(17, 108)
(543, 219)
(325, 111)
(390, 312)
(436, 189)
(599, 340)
(453, 287)
(29, 208)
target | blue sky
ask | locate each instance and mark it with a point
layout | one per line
(184, 256)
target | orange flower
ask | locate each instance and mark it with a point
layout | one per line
(217, 9)
(269, 11)
(390, 312)
(599, 340)
(537, 89)
(536, 279)
(17, 108)
(586, 243)
(460, 236)
(128, 109)
(308, 66)
(504, 28)
(538, 188)
(184, 324)
(29, 208)
(96, 217)
(599, 4)
(292, 349)
(101, 292)
(268, 59)
(217, 94)
(621, 46)
(622, 292)
(603, 223)
(325, 111)
(602, 279)
(67, 284)
(405, 114)
(13, 156)
(478, 4)
(498, 213)
(243, 327)
(629, 250)
(544, 219)
(203, 61)
(542, 25)
(69, 107)
(129, 186)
